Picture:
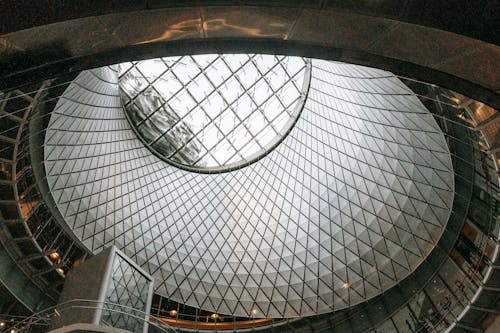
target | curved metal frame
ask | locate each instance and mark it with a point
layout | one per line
(23, 233)
(319, 30)
(251, 159)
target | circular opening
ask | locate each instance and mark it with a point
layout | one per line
(214, 113)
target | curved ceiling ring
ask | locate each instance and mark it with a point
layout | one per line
(450, 60)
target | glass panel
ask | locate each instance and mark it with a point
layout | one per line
(348, 205)
(188, 99)
(128, 290)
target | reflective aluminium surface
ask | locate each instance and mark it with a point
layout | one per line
(212, 113)
(348, 205)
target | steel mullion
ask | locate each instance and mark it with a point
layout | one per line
(225, 136)
(274, 93)
(205, 98)
(254, 138)
(169, 99)
(150, 83)
(194, 135)
(209, 151)
(290, 78)
(229, 106)
(246, 92)
(216, 89)
(252, 95)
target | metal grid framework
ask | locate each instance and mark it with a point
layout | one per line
(462, 296)
(127, 288)
(212, 113)
(456, 288)
(348, 205)
(481, 299)
(28, 232)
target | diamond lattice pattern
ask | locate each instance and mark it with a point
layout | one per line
(348, 205)
(213, 112)
(128, 290)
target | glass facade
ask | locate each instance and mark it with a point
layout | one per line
(213, 113)
(349, 204)
(128, 291)
(455, 285)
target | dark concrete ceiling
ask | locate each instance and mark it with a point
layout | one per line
(477, 19)
(449, 43)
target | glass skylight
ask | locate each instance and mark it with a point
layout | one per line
(213, 113)
(349, 204)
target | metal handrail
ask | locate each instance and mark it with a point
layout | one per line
(206, 322)
(44, 317)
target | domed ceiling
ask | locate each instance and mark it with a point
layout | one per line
(348, 204)
(214, 113)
